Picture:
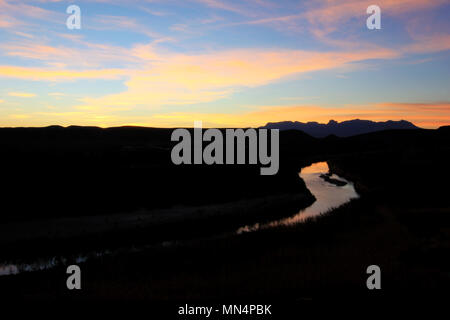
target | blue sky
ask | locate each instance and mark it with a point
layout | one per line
(227, 63)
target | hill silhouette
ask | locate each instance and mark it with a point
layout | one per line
(401, 221)
(75, 171)
(340, 129)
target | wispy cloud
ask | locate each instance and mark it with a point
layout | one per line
(110, 22)
(186, 79)
(436, 114)
(21, 94)
(21, 13)
(206, 51)
(224, 5)
(43, 74)
(84, 55)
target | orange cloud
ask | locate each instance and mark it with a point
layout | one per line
(331, 13)
(155, 78)
(88, 55)
(109, 22)
(433, 43)
(42, 74)
(21, 94)
(223, 5)
(426, 115)
(187, 79)
(26, 11)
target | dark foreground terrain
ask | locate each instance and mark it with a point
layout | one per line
(401, 222)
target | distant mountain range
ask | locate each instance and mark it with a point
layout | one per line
(340, 129)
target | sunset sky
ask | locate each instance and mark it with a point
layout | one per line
(229, 63)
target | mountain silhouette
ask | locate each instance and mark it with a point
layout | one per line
(340, 129)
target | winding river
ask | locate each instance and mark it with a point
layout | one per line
(328, 196)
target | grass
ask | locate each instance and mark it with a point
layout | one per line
(322, 257)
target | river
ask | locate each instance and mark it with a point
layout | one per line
(328, 196)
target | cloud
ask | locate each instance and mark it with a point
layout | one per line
(43, 74)
(20, 13)
(7, 22)
(321, 18)
(110, 22)
(186, 79)
(61, 118)
(330, 14)
(86, 54)
(426, 115)
(23, 34)
(224, 5)
(155, 78)
(154, 13)
(21, 94)
(427, 44)
(173, 79)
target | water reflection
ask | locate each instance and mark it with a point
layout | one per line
(328, 196)
(8, 269)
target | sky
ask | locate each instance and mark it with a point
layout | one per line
(228, 63)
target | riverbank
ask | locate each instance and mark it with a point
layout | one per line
(327, 177)
(401, 223)
(325, 257)
(23, 241)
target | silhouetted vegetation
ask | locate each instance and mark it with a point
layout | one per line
(401, 223)
(75, 171)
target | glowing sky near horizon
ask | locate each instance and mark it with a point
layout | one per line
(167, 63)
